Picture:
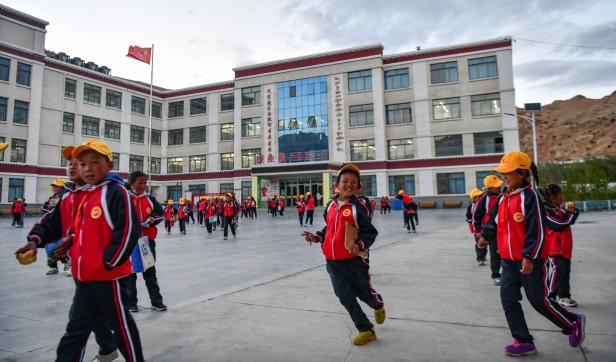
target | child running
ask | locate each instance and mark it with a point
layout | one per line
(348, 271)
(517, 225)
(480, 253)
(492, 185)
(169, 214)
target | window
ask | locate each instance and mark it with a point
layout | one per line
(226, 187)
(197, 163)
(89, 126)
(198, 106)
(135, 163)
(360, 81)
(362, 150)
(361, 115)
(16, 188)
(397, 78)
(112, 130)
(227, 161)
(251, 95)
(70, 88)
(227, 102)
(401, 149)
(155, 165)
(176, 109)
(176, 136)
(251, 127)
(20, 112)
(114, 99)
(156, 136)
(447, 108)
(91, 93)
(5, 68)
(488, 142)
(482, 68)
(3, 108)
(448, 145)
(293, 91)
(174, 192)
(137, 105)
(226, 131)
(246, 189)
(197, 134)
(398, 113)
(450, 183)
(68, 122)
(63, 161)
(24, 73)
(156, 109)
(402, 182)
(250, 156)
(175, 164)
(2, 140)
(485, 104)
(116, 161)
(479, 176)
(18, 150)
(137, 134)
(444, 72)
(197, 189)
(369, 184)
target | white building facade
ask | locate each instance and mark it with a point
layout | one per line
(429, 121)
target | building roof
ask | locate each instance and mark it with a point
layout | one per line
(22, 17)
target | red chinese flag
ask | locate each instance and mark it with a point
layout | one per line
(141, 54)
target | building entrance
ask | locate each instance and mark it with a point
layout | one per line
(291, 188)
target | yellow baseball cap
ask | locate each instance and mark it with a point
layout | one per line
(301, 196)
(58, 182)
(401, 192)
(349, 167)
(308, 193)
(512, 161)
(492, 181)
(67, 152)
(476, 192)
(169, 202)
(229, 194)
(3, 146)
(93, 145)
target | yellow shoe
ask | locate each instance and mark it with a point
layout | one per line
(364, 337)
(379, 315)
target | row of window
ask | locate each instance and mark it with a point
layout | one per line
(251, 127)
(18, 150)
(20, 110)
(24, 72)
(90, 126)
(250, 157)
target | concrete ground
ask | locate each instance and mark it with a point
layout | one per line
(267, 297)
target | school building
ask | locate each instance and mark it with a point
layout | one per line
(430, 121)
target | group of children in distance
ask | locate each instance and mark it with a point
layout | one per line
(530, 240)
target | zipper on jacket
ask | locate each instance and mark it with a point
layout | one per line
(334, 238)
(509, 233)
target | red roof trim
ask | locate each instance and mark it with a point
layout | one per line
(24, 19)
(445, 52)
(203, 89)
(31, 169)
(22, 53)
(316, 60)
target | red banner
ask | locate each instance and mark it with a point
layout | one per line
(141, 54)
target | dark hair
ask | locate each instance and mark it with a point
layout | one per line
(534, 172)
(550, 191)
(132, 178)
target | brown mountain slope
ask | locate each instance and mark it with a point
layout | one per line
(574, 129)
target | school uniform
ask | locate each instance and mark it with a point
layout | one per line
(301, 209)
(200, 210)
(385, 205)
(182, 216)
(559, 241)
(348, 272)
(169, 214)
(281, 207)
(481, 215)
(516, 222)
(229, 212)
(480, 253)
(410, 211)
(210, 211)
(309, 209)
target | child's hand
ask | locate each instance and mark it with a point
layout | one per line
(62, 248)
(310, 237)
(30, 245)
(527, 266)
(482, 243)
(570, 206)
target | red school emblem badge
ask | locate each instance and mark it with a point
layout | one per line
(96, 212)
(518, 217)
(346, 213)
(148, 211)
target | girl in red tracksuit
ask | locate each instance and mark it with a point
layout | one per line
(169, 214)
(210, 216)
(301, 208)
(347, 268)
(517, 222)
(560, 242)
(229, 211)
(182, 216)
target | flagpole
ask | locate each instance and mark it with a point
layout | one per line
(150, 123)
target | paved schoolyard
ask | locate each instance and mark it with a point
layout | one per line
(267, 297)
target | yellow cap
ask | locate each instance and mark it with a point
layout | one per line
(3, 146)
(401, 192)
(58, 182)
(96, 146)
(67, 152)
(492, 181)
(169, 202)
(301, 196)
(349, 167)
(476, 192)
(512, 161)
(308, 193)
(229, 194)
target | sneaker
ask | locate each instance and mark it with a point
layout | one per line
(566, 302)
(67, 267)
(225, 238)
(52, 271)
(364, 337)
(517, 349)
(379, 315)
(414, 231)
(496, 281)
(160, 307)
(579, 331)
(106, 357)
(68, 273)
(479, 263)
(133, 309)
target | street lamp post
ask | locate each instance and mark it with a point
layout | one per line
(532, 123)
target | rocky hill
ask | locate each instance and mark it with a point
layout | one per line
(573, 129)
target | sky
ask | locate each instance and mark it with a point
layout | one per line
(199, 42)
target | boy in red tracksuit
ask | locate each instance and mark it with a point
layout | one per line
(169, 213)
(301, 208)
(492, 185)
(105, 232)
(517, 224)
(480, 253)
(182, 215)
(309, 208)
(559, 240)
(385, 205)
(18, 213)
(281, 205)
(210, 216)
(410, 208)
(347, 268)
(201, 209)
(229, 212)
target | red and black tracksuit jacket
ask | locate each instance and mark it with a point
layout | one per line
(481, 212)
(146, 206)
(229, 209)
(558, 237)
(410, 207)
(470, 209)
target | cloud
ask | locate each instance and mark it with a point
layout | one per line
(554, 74)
